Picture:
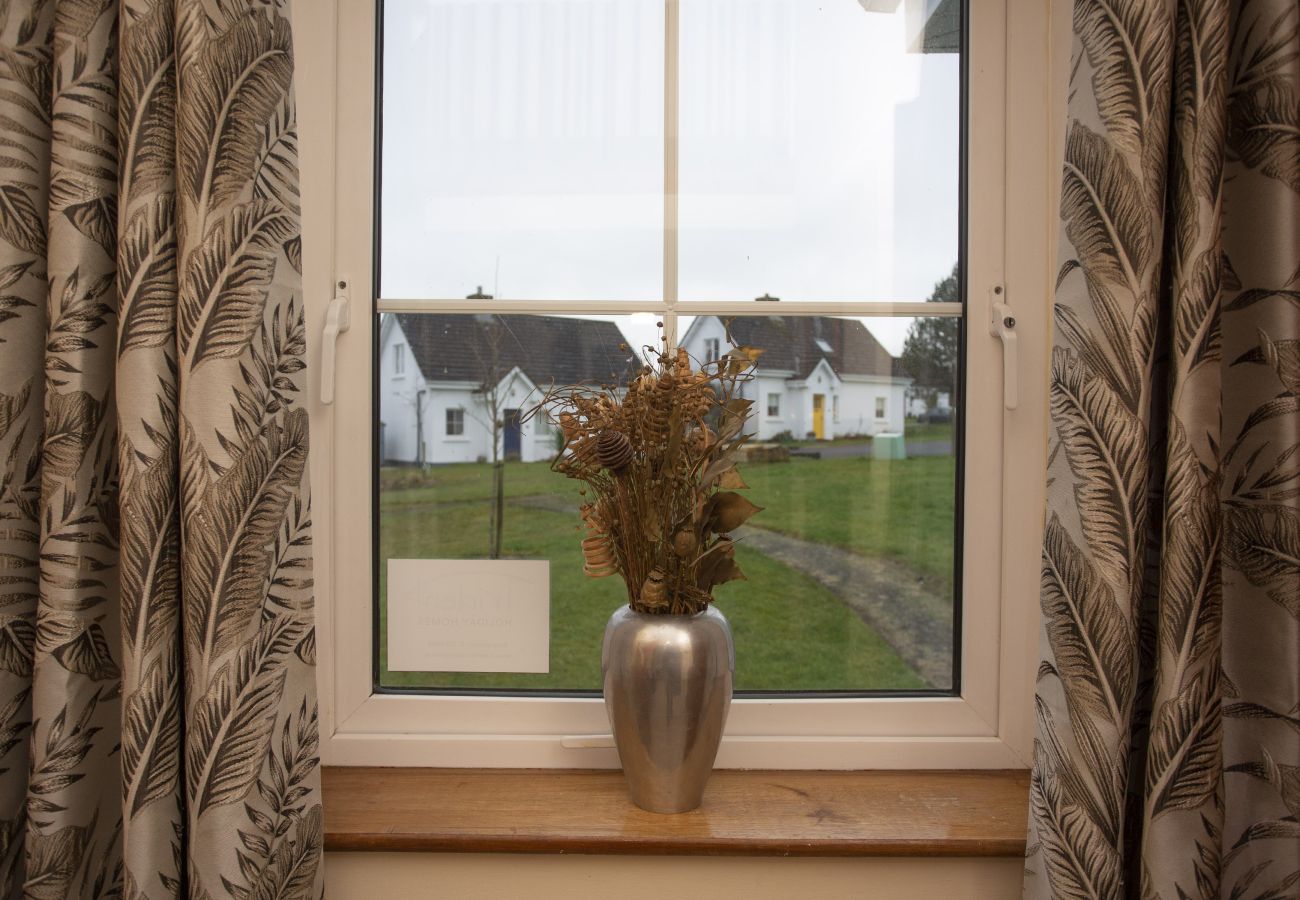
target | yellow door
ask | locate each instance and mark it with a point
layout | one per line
(819, 416)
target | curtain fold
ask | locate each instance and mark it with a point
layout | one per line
(1167, 756)
(157, 696)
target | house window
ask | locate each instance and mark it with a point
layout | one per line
(773, 405)
(399, 359)
(880, 408)
(714, 155)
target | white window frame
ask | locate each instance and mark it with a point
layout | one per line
(399, 360)
(1017, 98)
(882, 407)
(774, 409)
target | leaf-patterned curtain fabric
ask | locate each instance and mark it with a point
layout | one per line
(157, 701)
(1167, 759)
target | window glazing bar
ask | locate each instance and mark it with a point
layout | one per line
(855, 309)
(672, 36)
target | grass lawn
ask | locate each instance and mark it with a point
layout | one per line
(919, 431)
(791, 633)
(901, 509)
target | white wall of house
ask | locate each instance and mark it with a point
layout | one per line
(400, 392)
(766, 385)
(849, 402)
(821, 382)
(862, 394)
(474, 443)
(398, 395)
(703, 330)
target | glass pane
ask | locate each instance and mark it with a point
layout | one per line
(819, 148)
(522, 149)
(850, 565)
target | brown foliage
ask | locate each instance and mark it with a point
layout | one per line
(659, 460)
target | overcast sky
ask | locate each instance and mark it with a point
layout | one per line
(523, 151)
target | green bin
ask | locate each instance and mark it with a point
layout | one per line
(888, 446)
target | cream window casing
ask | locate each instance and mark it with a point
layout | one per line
(1017, 63)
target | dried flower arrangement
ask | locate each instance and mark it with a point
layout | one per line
(658, 462)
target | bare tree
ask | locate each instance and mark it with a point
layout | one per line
(491, 373)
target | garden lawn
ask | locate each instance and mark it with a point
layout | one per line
(791, 633)
(927, 431)
(900, 509)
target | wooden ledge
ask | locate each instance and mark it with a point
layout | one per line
(745, 813)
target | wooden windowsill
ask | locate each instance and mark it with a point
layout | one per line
(745, 813)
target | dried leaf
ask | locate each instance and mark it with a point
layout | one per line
(731, 480)
(728, 511)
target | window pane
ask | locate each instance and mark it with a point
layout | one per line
(522, 149)
(850, 565)
(819, 148)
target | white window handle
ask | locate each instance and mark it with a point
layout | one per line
(338, 318)
(1002, 325)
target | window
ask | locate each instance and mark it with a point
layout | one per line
(515, 193)
(711, 351)
(774, 405)
(880, 408)
(399, 359)
(455, 422)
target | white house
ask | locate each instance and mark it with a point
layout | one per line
(439, 375)
(817, 376)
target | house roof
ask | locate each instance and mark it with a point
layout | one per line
(563, 350)
(799, 343)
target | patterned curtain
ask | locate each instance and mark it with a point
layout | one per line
(1167, 759)
(157, 701)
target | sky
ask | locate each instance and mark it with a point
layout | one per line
(523, 151)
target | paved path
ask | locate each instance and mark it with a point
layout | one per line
(885, 594)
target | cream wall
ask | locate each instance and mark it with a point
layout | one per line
(490, 876)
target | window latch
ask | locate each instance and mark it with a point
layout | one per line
(338, 319)
(1002, 325)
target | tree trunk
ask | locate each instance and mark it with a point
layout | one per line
(498, 506)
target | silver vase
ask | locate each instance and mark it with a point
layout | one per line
(667, 685)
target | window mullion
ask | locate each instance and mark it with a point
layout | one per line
(672, 34)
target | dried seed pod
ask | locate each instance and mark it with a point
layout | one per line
(659, 409)
(699, 439)
(598, 557)
(654, 592)
(597, 551)
(569, 425)
(613, 450)
(683, 365)
(584, 451)
(685, 543)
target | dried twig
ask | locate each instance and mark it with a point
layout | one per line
(658, 460)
